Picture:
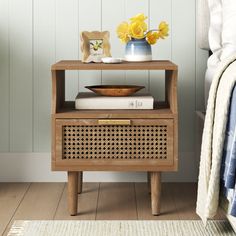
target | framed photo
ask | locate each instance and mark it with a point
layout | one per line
(94, 46)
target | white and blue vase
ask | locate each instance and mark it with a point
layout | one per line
(138, 50)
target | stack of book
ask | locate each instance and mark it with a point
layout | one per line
(90, 100)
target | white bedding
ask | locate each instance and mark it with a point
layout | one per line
(220, 80)
(215, 42)
(221, 34)
(228, 29)
(213, 138)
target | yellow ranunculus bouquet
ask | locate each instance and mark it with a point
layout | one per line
(137, 29)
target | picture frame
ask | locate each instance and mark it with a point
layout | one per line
(95, 45)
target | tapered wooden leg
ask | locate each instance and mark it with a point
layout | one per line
(72, 192)
(149, 182)
(80, 182)
(156, 192)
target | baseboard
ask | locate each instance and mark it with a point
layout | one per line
(35, 167)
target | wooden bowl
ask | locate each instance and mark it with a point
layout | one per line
(115, 90)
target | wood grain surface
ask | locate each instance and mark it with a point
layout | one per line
(108, 201)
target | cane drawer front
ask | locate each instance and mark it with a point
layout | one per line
(114, 142)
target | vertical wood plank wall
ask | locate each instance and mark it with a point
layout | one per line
(4, 77)
(183, 51)
(113, 12)
(90, 18)
(36, 33)
(44, 55)
(66, 37)
(21, 75)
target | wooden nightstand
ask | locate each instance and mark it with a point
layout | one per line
(114, 140)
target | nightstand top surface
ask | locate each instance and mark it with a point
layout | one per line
(150, 65)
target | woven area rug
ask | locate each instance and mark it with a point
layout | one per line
(120, 228)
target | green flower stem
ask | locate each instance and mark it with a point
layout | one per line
(151, 31)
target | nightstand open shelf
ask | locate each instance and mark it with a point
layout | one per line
(114, 140)
(161, 110)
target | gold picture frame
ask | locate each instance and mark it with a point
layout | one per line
(95, 45)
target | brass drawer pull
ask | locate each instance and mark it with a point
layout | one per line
(114, 122)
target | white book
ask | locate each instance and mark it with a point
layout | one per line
(90, 100)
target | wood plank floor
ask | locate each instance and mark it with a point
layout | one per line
(99, 201)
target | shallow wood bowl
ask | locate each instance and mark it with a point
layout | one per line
(115, 90)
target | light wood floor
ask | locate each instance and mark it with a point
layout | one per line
(99, 201)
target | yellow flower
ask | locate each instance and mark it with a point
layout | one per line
(136, 30)
(143, 25)
(138, 17)
(163, 29)
(152, 37)
(123, 32)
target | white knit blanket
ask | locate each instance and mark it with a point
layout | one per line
(213, 139)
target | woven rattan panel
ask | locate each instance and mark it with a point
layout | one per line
(115, 142)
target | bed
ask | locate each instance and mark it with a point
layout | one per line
(221, 39)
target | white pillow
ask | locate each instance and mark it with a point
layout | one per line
(229, 28)
(215, 42)
(215, 30)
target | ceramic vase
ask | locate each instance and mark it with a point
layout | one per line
(138, 50)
